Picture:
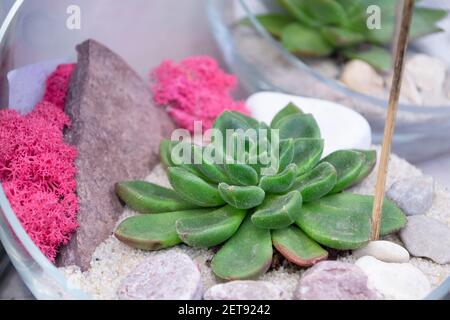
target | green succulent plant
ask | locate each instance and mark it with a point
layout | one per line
(319, 28)
(299, 209)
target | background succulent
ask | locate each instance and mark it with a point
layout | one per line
(299, 210)
(321, 28)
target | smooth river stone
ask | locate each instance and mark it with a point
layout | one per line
(386, 251)
(116, 129)
(245, 290)
(427, 237)
(395, 281)
(27, 84)
(166, 276)
(333, 280)
(340, 127)
(413, 195)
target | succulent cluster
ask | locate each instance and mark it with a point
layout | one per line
(324, 27)
(299, 209)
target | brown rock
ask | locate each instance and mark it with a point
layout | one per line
(116, 129)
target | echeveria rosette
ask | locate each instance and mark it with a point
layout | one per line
(300, 210)
(321, 28)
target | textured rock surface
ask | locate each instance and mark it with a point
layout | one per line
(117, 130)
(386, 251)
(413, 195)
(333, 280)
(398, 281)
(167, 276)
(245, 290)
(427, 237)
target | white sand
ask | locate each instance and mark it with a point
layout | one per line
(113, 260)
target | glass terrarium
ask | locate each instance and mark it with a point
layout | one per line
(425, 122)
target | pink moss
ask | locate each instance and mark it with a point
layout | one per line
(195, 89)
(37, 168)
(57, 84)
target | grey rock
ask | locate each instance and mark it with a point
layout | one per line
(333, 280)
(166, 276)
(424, 236)
(413, 195)
(117, 130)
(245, 290)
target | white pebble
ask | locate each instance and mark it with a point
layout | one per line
(428, 73)
(395, 281)
(386, 251)
(361, 77)
(27, 84)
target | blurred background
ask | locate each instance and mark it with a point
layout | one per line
(175, 29)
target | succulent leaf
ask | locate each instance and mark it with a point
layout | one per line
(297, 247)
(278, 211)
(286, 154)
(247, 255)
(298, 126)
(316, 183)
(324, 27)
(164, 153)
(193, 188)
(305, 41)
(341, 38)
(343, 221)
(281, 182)
(348, 165)
(208, 167)
(241, 197)
(146, 197)
(326, 12)
(288, 110)
(241, 174)
(153, 231)
(296, 8)
(377, 57)
(234, 120)
(274, 23)
(307, 153)
(370, 160)
(424, 21)
(212, 229)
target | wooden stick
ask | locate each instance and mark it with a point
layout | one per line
(401, 46)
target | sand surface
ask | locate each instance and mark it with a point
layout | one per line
(113, 260)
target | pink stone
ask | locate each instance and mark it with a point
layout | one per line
(333, 280)
(167, 275)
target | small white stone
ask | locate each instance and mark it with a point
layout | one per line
(386, 251)
(409, 92)
(245, 290)
(428, 73)
(361, 77)
(27, 84)
(396, 281)
(326, 67)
